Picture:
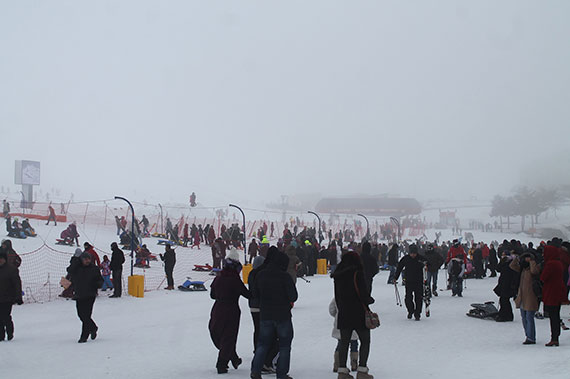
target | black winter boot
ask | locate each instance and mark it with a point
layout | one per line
(222, 366)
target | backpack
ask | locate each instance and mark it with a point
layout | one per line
(455, 268)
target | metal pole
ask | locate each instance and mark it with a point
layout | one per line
(367, 226)
(161, 220)
(318, 218)
(132, 231)
(244, 231)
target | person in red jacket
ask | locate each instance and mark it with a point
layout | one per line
(185, 233)
(486, 252)
(553, 290)
(454, 251)
(91, 251)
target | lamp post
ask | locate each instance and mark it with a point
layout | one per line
(244, 231)
(397, 222)
(132, 231)
(367, 226)
(320, 237)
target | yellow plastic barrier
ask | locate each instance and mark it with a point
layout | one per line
(321, 266)
(136, 285)
(245, 272)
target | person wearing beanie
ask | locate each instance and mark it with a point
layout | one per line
(10, 293)
(276, 292)
(86, 279)
(226, 290)
(413, 263)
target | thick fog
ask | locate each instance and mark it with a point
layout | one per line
(249, 100)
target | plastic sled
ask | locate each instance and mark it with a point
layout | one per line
(202, 268)
(59, 241)
(486, 311)
(192, 286)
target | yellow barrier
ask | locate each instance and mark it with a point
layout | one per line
(136, 285)
(245, 272)
(321, 266)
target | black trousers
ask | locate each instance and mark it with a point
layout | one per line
(414, 298)
(554, 316)
(84, 311)
(6, 324)
(505, 309)
(170, 278)
(117, 282)
(363, 336)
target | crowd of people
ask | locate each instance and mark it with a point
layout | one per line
(532, 276)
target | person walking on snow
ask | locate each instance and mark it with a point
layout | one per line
(51, 215)
(116, 266)
(413, 263)
(10, 293)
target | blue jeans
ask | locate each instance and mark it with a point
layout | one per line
(107, 282)
(528, 324)
(432, 276)
(392, 273)
(270, 330)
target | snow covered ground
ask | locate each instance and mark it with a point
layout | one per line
(165, 334)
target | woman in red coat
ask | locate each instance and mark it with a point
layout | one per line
(553, 290)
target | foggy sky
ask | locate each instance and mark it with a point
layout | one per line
(253, 99)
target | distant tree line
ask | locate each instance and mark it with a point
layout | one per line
(525, 202)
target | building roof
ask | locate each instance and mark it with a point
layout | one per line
(373, 206)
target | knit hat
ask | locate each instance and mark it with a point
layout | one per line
(78, 252)
(258, 261)
(233, 254)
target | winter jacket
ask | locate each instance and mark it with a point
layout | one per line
(10, 284)
(414, 269)
(434, 260)
(293, 262)
(333, 311)
(94, 256)
(350, 305)
(454, 252)
(275, 289)
(169, 259)
(508, 280)
(117, 259)
(105, 268)
(526, 298)
(456, 268)
(86, 280)
(13, 257)
(226, 289)
(553, 289)
(370, 266)
(393, 256)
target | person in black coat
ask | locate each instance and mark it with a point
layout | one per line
(276, 292)
(352, 299)
(169, 259)
(434, 261)
(392, 262)
(493, 261)
(226, 289)
(478, 262)
(370, 265)
(86, 279)
(413, 263)
(506, 288)
(10, 293)
(116, 266)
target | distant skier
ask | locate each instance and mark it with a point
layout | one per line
(413, 263)
(51, 215)
(145, 223)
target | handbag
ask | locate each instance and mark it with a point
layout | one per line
(371, 319)
(64, 282)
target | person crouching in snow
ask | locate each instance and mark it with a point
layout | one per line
(226, 290)
(333, 311)
(86, 279)
(106, 273)
(456, 269)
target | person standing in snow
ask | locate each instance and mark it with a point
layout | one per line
(351, 297)
(106, 273)
(226, 290)
(51, 215)
(413, 263)
(333, 311)
(526, 299)
(276, 292)
(553, 290)
(86, 279)
(392, 262)
(117, 260)
(10, 293)
(456, 269)
(434, 262)
(169, 259)
(506, 288)
(370, 265)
